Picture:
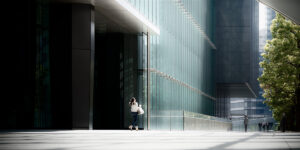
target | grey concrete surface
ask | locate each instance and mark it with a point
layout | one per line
(123, 139)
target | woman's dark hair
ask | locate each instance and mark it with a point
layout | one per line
(131, 100)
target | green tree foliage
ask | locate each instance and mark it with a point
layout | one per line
(281, 75)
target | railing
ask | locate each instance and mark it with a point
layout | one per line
(184, 120)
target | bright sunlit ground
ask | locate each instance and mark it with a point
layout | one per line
(123, 139)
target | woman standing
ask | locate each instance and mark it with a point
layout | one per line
(134, 113)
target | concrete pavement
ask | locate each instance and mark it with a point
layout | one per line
(124, 139)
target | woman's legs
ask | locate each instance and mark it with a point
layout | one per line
(134, 117)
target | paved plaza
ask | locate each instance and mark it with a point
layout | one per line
(124, 139)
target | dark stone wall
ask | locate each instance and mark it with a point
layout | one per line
(83, 54)
(71, 53)
(61, 65)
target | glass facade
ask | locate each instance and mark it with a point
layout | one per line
(181, 60)
(251, 107)
(266, 17)
(254, 109)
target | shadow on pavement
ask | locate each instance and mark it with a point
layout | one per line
(227, 144)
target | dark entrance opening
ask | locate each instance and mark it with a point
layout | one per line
(115, 79)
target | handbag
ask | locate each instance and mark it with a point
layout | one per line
(140, 111)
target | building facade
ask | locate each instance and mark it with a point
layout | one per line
(237, 58)
(82, 61)
(238, 93)
(79, 62)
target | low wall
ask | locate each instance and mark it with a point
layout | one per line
(194, 121)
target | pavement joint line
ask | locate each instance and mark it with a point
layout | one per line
(287, 143)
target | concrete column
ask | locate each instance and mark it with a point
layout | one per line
(83, 52)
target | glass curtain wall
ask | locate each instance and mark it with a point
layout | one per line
(181, 60)
(42, 104)
(142, 77)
